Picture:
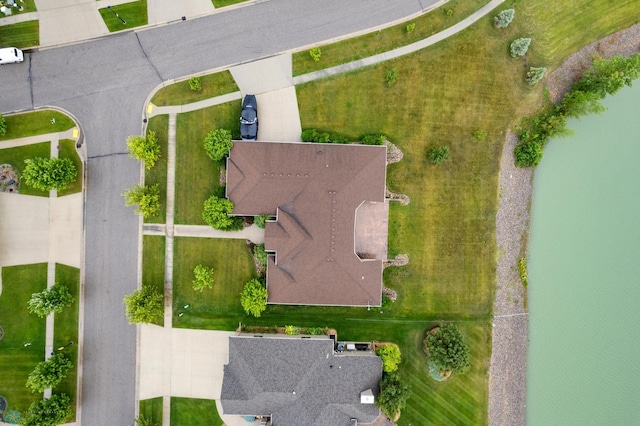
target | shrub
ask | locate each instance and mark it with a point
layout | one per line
(48, 412)
(260, 254)
(145, 421)
(291, 330)
(522, 270)
(528, 154)
(49, 173)
(448, 12)
(519, 46)
(535, 74)
(49, 373)
(147, 198)
(216, 214)
(386, 302)
(480, 135)
(446, 348)
(195, 84)
(410, 27)
(3, 126)
(606, 77)
(391, 77)
(260, 220)
(218, 143)
(391, 357)
(145, 149)
(504, 18)
(578, 103)
(315, 54)
(53, 299)
(393, 396)
(144, 306)
(312, 135)
(254, 298)
(438, 155)
(374, 139)
(203, 277)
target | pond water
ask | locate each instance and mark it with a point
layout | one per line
(584, 273)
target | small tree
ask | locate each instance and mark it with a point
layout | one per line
(438, 154)
(391, 357)
(528, 154)
(216, 214)
(519, 46)
(3, 126)
(260, 253)
(446, 348)
(315, 54)
(607, 76)
(254, 298)
(195, 84)
(49, 173)
(146, 198)
(49, 373)
(203, 277)
(144, 306)
(217, 144)
(393, 396)
(146, 149)
(535, 74)
(48, 412)
(53, 299)
(504, 18)
(261, 220)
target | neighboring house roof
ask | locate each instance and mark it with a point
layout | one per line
(314, 190)
(298, 382)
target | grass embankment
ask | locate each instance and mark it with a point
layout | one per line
(196, 175)
(21, 35)
(158, 174)
(68, 150)
(153, 253)
(222, 3)
(180, 93)
(20, 328)
(387, 39)
(16, 156)
(66, 330)
(35, 123)
(134, 14)
(194, 412)
(152, 409)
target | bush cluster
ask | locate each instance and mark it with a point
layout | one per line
(522, 270)
(260, 220)
(315, 54)
(216, 214)
(391, 357)
(217, 144)
(312, 135)
(438, 154)
(195, 84)
(254, 298)
(260, 253)
(49, 173)
(373, 139)
(3, 126)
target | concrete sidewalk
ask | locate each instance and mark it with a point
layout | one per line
(252, 233)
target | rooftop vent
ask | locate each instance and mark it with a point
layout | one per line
(366, 397)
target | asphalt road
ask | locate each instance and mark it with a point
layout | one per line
(104, 84)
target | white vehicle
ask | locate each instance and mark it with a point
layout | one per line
(11, 55)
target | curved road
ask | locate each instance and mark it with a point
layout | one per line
(104, 83)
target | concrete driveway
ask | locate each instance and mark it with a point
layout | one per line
(65, 21)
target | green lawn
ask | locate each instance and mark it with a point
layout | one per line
(134, 14)
(196, 175)
(153, 251)
(152, 409)
(21, 35)
(20, 328)
(66, 329)
(222, 3)
(194, 412)
(16, 156)
(158, 174)
(180, 93)
(68, 150)
(387, 39)
(218, 307)
(35, 123)
(28, 6)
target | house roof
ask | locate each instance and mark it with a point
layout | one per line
(298, 381)
(314, 191)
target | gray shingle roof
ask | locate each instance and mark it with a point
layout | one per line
(263, 374)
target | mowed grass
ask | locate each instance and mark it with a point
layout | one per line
(16, 156)
(218, 307)
(180, 93)
(35, 123)
(151, 409)
(387, 39)
(194, 412)
(197, 176)
(158, 174)
(20, 328)
(68, 150)
(66, 330)
(21, 35)
(222, 3)
(134, 14)
(153, 253)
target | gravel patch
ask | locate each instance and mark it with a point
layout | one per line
(508, 368)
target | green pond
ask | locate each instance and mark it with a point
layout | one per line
(584, 273)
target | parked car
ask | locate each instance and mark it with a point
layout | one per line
(249, 118)
(11, 55)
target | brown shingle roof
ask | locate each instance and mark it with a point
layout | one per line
(314, 189)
